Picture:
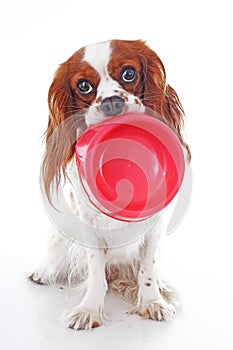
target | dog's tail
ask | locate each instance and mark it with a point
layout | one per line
(127, 289)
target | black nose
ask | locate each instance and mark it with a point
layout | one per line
(112, 106)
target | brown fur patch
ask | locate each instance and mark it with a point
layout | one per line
(95, 324)
(99, 99)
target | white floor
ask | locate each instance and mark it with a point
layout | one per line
(30, 315)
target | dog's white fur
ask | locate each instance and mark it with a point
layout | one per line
(133, 269)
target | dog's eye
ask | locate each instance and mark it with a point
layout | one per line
(84, 87)
(128, 75)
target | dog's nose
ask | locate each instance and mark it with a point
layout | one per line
(112, 106)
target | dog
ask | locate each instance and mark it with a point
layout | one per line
(98, 82)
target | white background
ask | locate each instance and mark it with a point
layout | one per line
(194, 40)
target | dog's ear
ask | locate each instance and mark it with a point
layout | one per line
(159, 96)
(60, 136)
(173, 111)
(60, 97)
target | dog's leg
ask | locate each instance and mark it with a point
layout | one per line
(150, 302)
(89, 313)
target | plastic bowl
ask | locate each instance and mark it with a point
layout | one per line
(130, 166)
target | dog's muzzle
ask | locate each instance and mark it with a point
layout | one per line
(112, 106)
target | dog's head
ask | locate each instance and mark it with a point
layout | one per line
(101, 81)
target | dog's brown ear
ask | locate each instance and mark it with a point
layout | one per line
(159, 96)
(173, 112)
(59, 137)
(60, 96)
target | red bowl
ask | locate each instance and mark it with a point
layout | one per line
(130, 166)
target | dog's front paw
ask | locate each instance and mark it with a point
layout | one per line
(79, 319)
(159, 311)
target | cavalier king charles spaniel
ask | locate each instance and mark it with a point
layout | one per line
(98, 82)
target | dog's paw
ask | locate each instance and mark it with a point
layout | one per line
(159, 311)
(78, 319)
(39, 278)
